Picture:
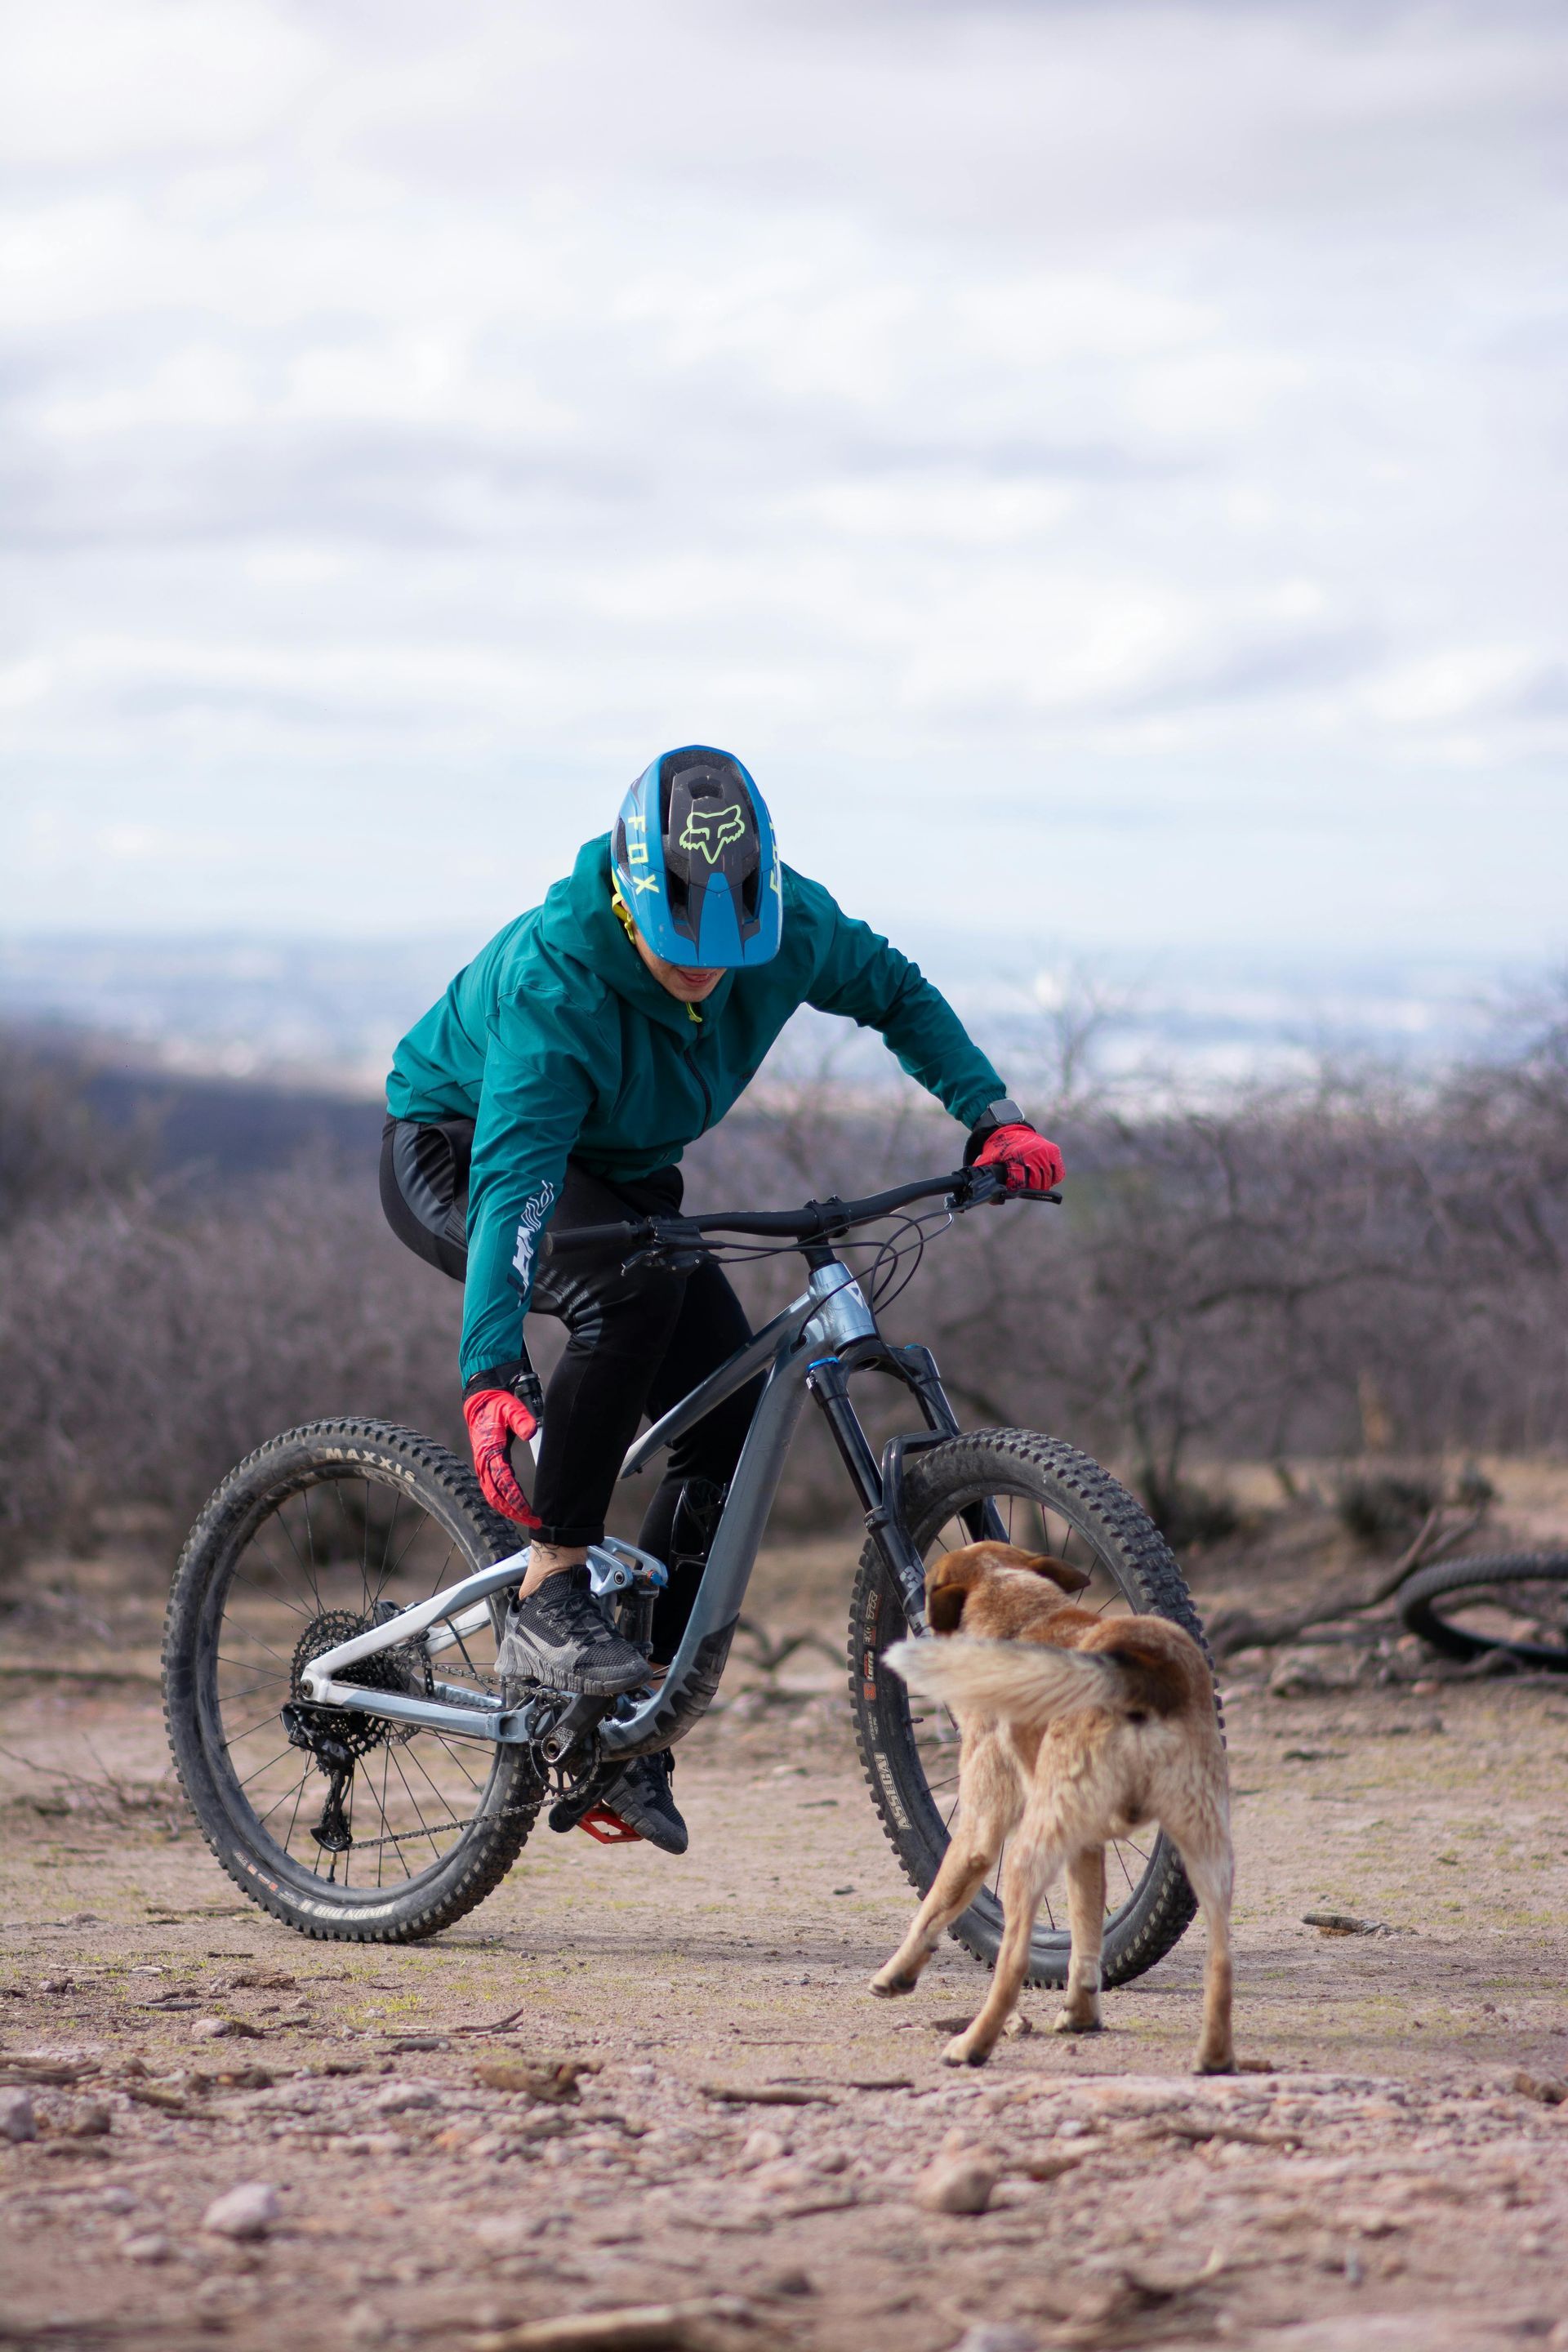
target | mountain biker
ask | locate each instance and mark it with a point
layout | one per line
(557, 1082)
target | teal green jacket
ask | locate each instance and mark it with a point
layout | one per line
(557, 1041)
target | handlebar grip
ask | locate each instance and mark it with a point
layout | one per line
(578, 1238)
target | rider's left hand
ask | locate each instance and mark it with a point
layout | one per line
(495, 1417)
(1028, 1159)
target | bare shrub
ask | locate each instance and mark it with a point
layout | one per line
(1354, 1267)
(147, 1343)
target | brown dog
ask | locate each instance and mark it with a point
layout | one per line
(1076, 1729)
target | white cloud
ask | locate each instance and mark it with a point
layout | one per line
(1152, 412)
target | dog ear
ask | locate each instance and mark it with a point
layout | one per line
(1060, 1571)
(956, 1573)
(944, 1607)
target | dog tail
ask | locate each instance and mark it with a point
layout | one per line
(1026, 1682)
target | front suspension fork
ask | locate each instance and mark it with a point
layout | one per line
(880, 1486)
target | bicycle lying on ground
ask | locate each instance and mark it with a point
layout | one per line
(337, 1608)
(1502, 1613)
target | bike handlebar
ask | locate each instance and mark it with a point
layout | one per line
(818, 1220)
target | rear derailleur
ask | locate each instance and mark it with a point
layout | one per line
(335, 1740)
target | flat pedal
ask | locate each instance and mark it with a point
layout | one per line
(608, 1829)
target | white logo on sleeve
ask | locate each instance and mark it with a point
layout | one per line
(534, 1212)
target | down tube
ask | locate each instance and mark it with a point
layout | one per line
(694, 1672)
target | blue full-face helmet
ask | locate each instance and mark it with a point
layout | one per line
(695, 862)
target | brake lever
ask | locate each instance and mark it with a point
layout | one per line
(986, 1190)
(662, 1259)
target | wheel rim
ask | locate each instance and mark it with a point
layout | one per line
(1132, 1865)
(331, 1549)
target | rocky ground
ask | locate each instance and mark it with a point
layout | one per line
(632, 2081)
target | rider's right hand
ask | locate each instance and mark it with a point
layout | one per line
(495, 1417)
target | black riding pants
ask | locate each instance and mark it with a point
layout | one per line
(638, 1342)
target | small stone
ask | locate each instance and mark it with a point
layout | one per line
(1016, 2027)
(1296, 1675)
(991, 2335)
(362, 2323)
(247, 2212)
(115, 2199)
(762, 2147)
(458, 2135)
(17, 2120)
(224, 2028)
(790, 2282)
(90, 2122)
(404, 2098)
(956, 2184)
(1549, 2089)
(54, 1984)
(553, 2079)
(147, 2246)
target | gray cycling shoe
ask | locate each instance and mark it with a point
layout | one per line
(640, 1795)
(561, 1638)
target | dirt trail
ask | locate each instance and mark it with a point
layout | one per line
(1381, 2184)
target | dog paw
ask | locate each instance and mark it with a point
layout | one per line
(1221, 2062)
(888, 1983)
(1075, 2020)
(961, 2051)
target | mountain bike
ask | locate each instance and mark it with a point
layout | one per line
(329, 1652)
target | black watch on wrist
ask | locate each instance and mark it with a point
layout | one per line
(1005, 1113)
(519, 1377)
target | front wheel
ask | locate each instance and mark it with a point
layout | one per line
(1050, 1498)
(320, 1534)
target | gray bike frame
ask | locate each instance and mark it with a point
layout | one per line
(831, 1315)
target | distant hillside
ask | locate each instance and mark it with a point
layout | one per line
(233, 1128)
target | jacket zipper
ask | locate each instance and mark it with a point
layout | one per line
(707, 1097)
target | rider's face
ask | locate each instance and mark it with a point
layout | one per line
(689, 985)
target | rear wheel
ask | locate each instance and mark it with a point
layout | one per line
(320, 1534)
(1050, 1498)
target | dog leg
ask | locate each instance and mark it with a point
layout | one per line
(1208, 1864)
(990, 1803)
(1079, 2014)
(962, 1873)
(1032, 1863)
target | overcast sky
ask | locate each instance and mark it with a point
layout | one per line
(1102, 466)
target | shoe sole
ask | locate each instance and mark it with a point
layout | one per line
(574, 1686)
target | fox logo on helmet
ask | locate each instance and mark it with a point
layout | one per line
(712, 830)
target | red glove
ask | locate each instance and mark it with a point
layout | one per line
(1028, 1159)
(495, 1417)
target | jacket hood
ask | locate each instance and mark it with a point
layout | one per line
(578, 925)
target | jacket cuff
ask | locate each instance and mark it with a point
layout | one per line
(518, 1378)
